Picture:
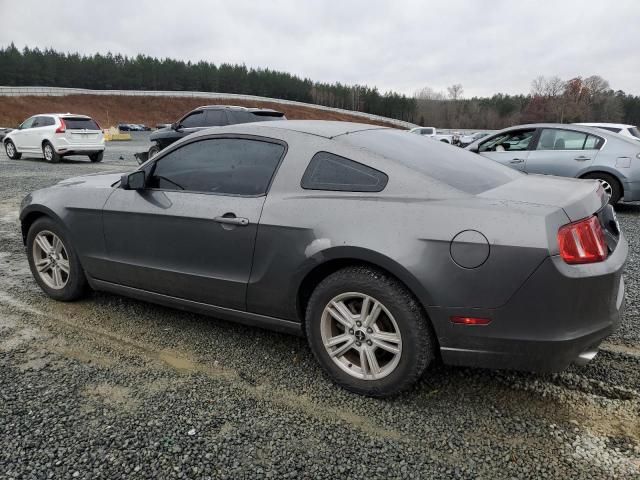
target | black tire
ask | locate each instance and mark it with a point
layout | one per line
(614, 185)
(9, 146)
(418, 339)
(49, 153)
(76, 282)
(153, 151)
(96, 157)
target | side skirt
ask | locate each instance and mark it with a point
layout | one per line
(238, 316)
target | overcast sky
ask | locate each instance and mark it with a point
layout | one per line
(487, 46)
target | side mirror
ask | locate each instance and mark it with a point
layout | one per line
(176, 126)
(474, 149)
(133, 181)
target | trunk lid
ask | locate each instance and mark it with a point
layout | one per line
(578, 198)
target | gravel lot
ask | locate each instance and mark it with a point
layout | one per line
(110, 387)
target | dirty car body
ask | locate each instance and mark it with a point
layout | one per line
(466, 237)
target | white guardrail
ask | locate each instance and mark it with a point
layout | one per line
(60, 91)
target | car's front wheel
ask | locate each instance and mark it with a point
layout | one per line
(49, 153)
(153, 151)
(368, 332)
(53, 261)
(12, 153)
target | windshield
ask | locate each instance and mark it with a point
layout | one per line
(462, 170)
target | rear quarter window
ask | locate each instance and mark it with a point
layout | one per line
(465, 171)
(327, 171)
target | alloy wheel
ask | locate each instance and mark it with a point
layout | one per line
(48, 152)
(606, 186)
(11, 150)
(51, 259)
(361, 336)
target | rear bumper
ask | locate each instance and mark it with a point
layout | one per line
(559, 315)
(64, 147)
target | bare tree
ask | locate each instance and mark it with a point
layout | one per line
(455, 91)
(428, 93)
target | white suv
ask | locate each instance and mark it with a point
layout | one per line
(630, 131)
(56, 135)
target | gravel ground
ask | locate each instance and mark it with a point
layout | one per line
(109, 387)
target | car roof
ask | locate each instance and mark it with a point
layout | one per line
(236, 107)
(321, 128)
(614, 125)
(63, 115)
(570, 126)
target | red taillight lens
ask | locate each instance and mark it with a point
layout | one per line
(582, 242)
(62, 128)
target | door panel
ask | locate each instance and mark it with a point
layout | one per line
(561, 152)
(516, 160)
(169, 242)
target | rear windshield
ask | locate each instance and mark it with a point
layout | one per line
(460, 169)
(79, 123)
(266, 116)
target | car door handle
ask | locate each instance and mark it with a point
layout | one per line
(231, 219)
(582, 158)
(516, 160)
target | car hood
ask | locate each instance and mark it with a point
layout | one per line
(163, 133)
(98, 180)
(578, 198)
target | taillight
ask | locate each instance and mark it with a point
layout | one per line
(62, 128)
(582, 242)
(97, 124)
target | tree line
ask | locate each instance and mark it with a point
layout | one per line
(550, 99)
(33, 66)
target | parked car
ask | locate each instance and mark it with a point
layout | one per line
(125, 127)
(470, 138)
(56, 135)
(431, 132)
(630, 131)
(384, 251)
(569, 151)
(209, 116)
(4, 131)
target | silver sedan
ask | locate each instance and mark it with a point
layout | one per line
(569, 151)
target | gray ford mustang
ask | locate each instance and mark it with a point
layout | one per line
(384, 249)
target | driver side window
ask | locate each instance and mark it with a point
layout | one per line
(226, 166)
(28, 123)
(196, 119)
(515, 140)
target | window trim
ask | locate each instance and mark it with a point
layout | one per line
(150, 169)
(541, 129)
(306, 172)
(531, 146)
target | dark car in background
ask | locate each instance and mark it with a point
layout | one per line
(386, 250)
(205, 117)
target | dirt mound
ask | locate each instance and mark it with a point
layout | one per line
(110, 110)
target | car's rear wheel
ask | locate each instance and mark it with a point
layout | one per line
(53, 261)
(610, 185)
(12, 153)
(368, 332)
(96, 157)
(49, 153)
